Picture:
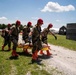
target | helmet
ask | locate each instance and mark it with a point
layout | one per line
(18, 22)
(40, 21)
(9, 25)
(50, 25)
(29, 24)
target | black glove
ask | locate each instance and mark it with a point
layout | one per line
(55, 38)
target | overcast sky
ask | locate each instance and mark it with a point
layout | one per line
(57, 12)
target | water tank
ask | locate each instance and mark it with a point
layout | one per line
(71, 31)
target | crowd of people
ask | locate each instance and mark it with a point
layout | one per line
(36, 36)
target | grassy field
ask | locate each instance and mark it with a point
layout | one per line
(62, 41)
(18, 66)
(21, 65)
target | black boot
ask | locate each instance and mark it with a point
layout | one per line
(38, 61)
(33, 61)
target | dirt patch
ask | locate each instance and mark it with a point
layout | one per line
(62, 61)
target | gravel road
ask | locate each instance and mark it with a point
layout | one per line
(62, 61)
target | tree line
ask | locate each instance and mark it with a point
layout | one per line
(3, 26)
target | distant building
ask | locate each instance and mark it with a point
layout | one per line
(71, 31)
(62, 30)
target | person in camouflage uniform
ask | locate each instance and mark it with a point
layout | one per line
(36, 41)
(7, 37)
(44, 34)
(25, 36)
(14, 34)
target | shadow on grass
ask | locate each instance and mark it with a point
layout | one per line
(5, 50)
(13, 57)
(24, 54)
(45, 56)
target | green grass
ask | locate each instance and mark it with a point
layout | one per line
(19, 66)
(62, 41)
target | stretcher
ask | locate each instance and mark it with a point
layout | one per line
(21, 44)
(27, 46)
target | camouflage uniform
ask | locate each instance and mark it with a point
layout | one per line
(36, 39)
(14, 34)
(26, 32)
(44, 35)
(7, 37)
